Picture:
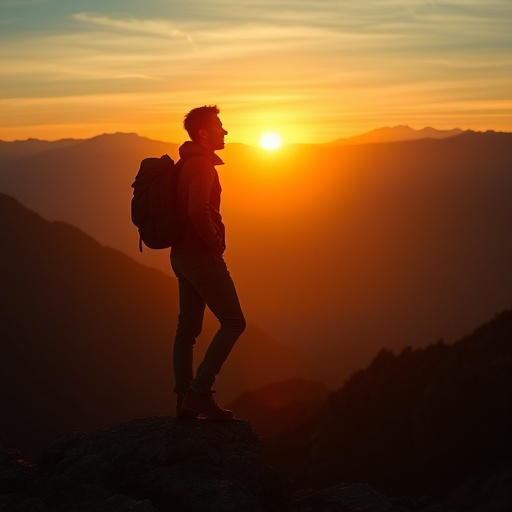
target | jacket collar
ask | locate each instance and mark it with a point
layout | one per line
(190, 148)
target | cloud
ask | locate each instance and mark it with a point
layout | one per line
(142, 26)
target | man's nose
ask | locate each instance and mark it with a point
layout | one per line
(225, 132)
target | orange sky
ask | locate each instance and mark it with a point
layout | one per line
(312, 71)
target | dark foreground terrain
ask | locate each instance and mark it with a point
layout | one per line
(164, 464)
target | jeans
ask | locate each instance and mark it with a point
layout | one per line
(203, 280)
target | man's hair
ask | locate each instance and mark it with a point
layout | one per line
(199, 118)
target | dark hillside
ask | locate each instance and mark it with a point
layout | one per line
(277, 407)
(434, 420)
(85, 331)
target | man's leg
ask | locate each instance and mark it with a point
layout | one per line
(212, 281)
(219, 294)
(190, 323)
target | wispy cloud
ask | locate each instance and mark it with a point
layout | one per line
(143, 26)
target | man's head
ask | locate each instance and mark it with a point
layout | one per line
(204, 127)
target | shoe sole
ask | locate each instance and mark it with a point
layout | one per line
(198, 413)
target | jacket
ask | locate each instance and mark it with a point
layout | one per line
(199, 191)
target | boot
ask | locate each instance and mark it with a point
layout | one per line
(204, 404)
(184, 414)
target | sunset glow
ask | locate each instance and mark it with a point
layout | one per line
(319, 71)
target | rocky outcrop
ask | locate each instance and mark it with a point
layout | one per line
(147, 465)
(164, 464)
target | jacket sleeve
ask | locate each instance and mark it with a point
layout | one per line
(201, 180)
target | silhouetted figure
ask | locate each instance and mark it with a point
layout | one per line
(203, 278)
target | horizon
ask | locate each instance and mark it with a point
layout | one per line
(312, 73)
(256, 144)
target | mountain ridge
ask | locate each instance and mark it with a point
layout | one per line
(396, 134)
(382, 134)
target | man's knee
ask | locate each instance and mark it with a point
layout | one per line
(192, 319)
(189, 330)
(241, 325)
(236, 325)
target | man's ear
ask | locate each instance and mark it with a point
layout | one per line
(203, 133)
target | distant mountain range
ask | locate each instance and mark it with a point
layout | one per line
(23, 148)
(398, 133)
(86, 335)
(337, 251)
(18, 148)
(29, 147)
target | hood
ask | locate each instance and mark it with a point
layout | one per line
(190, 148)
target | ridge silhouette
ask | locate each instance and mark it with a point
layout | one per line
(435, 420)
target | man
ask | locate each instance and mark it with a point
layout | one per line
(197, 261)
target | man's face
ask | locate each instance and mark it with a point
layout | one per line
(212, 137)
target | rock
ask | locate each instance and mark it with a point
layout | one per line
(154, 464)
(358, 497)
(24, 488)
(164, 464)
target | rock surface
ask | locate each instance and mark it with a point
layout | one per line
(164, 464)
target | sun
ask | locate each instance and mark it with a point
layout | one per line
(270, 141)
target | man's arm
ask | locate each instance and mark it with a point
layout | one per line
(201, 179)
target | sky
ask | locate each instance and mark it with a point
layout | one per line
(311, 70)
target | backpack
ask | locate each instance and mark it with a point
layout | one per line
(154, 207)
